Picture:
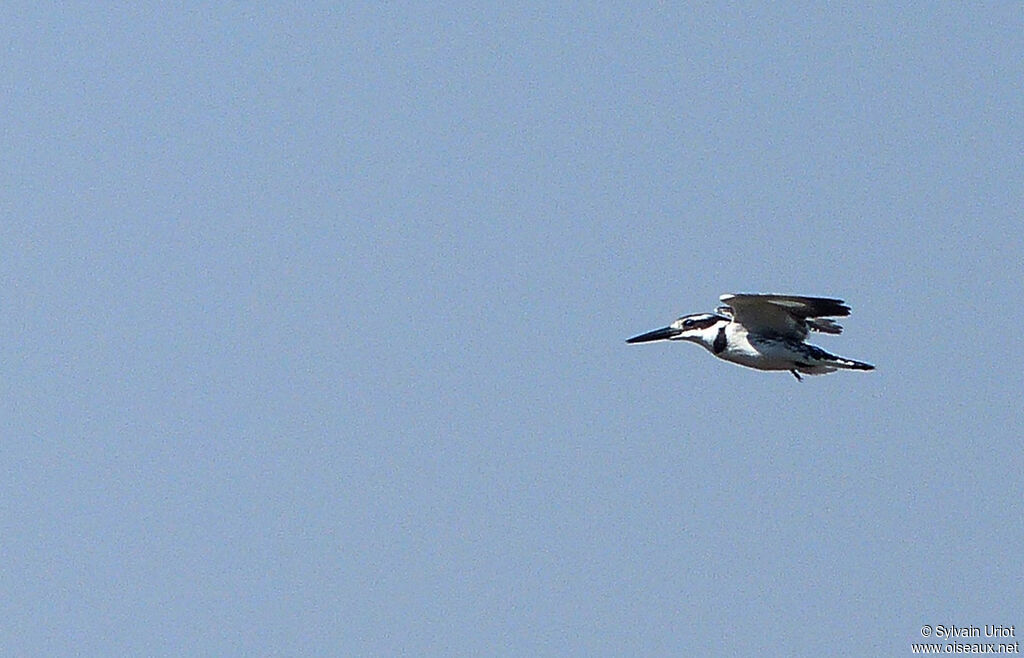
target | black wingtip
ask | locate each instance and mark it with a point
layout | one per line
(828, 307)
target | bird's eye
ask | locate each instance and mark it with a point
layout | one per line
(687, 323)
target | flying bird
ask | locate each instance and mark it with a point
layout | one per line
(766, 332)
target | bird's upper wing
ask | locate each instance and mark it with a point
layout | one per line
(787, 315)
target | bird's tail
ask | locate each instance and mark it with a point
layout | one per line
(820, 357)
(849, 364)
(829, 363)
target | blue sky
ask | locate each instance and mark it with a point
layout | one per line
(314, 322)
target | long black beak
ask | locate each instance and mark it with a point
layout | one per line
(657, 334)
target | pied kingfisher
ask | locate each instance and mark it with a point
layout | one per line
(765, 332)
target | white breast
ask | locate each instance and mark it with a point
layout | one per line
(763, 356)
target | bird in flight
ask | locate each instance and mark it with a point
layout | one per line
(766, 332)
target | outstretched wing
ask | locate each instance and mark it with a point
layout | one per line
(788, 315)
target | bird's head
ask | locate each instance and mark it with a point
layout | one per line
(701, 328)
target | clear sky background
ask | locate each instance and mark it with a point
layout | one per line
(313, 328)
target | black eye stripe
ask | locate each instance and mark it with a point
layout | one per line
(702, 322)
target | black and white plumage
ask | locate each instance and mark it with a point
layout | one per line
(766, 332)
